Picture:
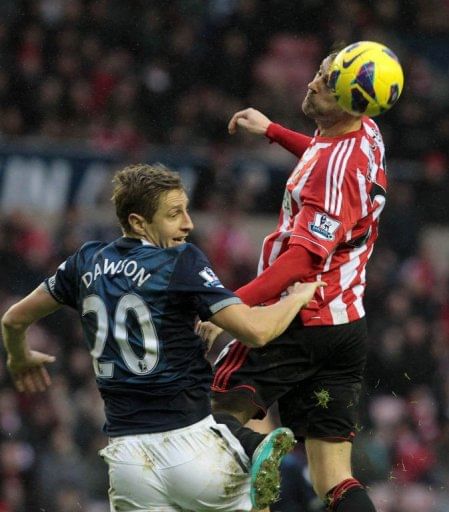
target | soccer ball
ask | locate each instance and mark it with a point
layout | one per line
(366, 78)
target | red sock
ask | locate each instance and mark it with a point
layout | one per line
(349, 496)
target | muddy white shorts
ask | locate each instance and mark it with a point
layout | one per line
(199, 468)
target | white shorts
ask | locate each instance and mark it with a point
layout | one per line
(188, 469)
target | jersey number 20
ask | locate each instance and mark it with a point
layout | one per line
(129, 302)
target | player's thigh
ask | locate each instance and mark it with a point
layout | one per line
(322, 409)
(325, 405)
(215, 480)
(134, 485)
(253, 379)
(329, 463)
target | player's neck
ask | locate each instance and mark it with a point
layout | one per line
(145, 240)
(339, 128)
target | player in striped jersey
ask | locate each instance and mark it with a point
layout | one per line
(327, 228)
(138, 298)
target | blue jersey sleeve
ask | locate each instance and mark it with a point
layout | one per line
(194, 282)
(62, 285)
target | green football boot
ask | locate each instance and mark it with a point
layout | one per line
(265, 473)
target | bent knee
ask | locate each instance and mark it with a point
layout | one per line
(235, 403)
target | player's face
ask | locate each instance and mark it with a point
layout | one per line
(171, 224)
(319, 103)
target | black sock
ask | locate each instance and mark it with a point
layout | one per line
(249, 439)
(349, 496)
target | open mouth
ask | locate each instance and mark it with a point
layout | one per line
(180, 239)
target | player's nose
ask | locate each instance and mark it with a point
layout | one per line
(313, 84)
(187, 224)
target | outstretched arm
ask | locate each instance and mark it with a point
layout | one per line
(255, 327)
(27, 367)
(296, 264)
(292, 141)
(253, 121)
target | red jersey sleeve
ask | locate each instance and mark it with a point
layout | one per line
(292, 141)
(295, 264)
(327, 217)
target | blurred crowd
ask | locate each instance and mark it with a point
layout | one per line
(128, 76)
(123, 75)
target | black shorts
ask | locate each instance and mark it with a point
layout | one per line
(315, 373)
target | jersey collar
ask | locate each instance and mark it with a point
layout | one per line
(128, 242)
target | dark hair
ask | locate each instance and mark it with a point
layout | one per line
(137, 189)
(337, 46)
(335, 49)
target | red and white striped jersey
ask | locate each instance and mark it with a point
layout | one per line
(331, 206)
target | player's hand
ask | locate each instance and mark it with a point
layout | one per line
(29, 373)
(208, 332)
(251, 120)
(305, 291)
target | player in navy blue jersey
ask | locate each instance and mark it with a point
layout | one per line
(138, 299)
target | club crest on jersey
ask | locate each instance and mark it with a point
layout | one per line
(323, 226)
(210, 278)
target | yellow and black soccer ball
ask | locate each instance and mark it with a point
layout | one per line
(366, 78)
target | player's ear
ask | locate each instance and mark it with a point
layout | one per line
(137, 223)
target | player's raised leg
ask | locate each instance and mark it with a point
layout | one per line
(265, 466)
(265, 451)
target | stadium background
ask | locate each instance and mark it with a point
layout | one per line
(89, 85)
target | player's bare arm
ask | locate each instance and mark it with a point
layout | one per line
(257, 326)
(27, 367)
(251, 120)
(209, 332)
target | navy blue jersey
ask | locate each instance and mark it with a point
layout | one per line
(138, 304)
